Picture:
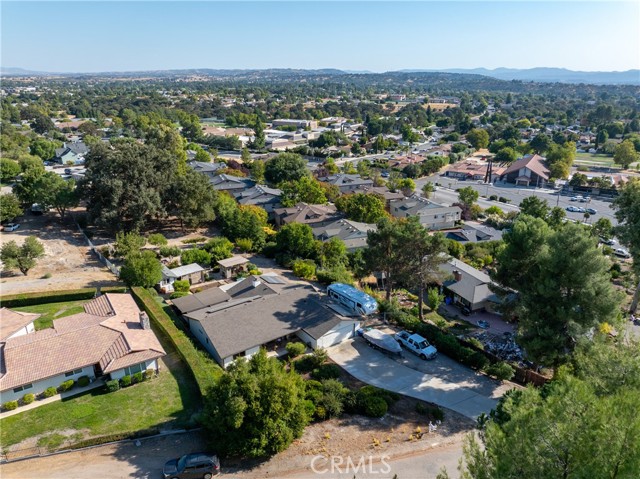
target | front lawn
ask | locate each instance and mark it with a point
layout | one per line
(52, 311)
(168, 401)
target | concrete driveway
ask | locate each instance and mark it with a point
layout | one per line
(441, 381)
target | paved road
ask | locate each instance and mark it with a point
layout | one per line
(145, 459)
(441, 381)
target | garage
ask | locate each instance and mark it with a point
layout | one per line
(329, 334)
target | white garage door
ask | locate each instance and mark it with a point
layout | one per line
(336, 336)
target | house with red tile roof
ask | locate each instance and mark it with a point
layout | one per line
(112, 338)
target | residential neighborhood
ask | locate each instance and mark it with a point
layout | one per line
(318, 259)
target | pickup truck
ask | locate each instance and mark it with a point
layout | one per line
(416, 344)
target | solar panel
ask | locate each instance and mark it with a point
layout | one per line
(272, 279)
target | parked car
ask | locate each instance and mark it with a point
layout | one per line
(11, 226)
(573, 209)
(417, 345)
(586, 199)
(623, 253)
(592, 211)
(190, 466)
(575, 198)
(483, 324)
(608, 241)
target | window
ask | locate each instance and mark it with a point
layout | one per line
(136, 368)
(72, 373)
(22, 388)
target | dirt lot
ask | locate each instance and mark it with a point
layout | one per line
(67, 258)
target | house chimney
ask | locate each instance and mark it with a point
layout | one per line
(256, 282)
(457, 275)
(144, 320)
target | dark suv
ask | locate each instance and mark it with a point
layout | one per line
(200, 465)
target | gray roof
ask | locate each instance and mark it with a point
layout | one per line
(246, 323)
(259, 195)
(252, 286)
(416, 205)
(205, 298)
(229, 182)
(473, 285)
(76, 147)
(186, 269)
(353, 233)
(474, 233)
(342, 179)
(204, 167)
(233, 261)
(306, 214)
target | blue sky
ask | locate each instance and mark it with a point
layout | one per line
(377, 36)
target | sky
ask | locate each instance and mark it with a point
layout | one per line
(378, 36)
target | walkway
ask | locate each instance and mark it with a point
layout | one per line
(58, 397)
(447, 383)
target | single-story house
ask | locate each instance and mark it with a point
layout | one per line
(474, 233)
(240, 326)
(194, 273)
(352, 233)
(260, 195)
(431, 215)
(71, 153)
(382, 191)
(208, 169)
(468, 286)
(232, 184)
(312, 215)
(232, 266)
(530, 170)
(347, 183)
(110, 339)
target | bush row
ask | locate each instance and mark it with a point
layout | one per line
(47, 393)
(129, 380)
(204, 370)
(330, 398)
(29, 299)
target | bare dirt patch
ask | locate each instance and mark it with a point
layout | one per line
(67, 260)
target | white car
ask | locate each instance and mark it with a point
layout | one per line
(573, 209)
(11, 226)
(576, 198)
(417, 345)
(623, 253)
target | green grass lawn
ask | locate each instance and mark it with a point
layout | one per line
(606, 160)
(52, 311)
(170, 400)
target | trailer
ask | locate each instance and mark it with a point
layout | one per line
(384, 342)
(356, 301)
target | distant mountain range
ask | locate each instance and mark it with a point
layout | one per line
(561, 75)
(543, 75)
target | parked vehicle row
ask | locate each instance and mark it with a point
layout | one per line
(578, 209)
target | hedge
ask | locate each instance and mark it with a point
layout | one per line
(29, 299)
(204, 370)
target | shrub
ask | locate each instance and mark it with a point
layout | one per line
(195, 255)
(374, 406)
(137, 378)
(304, 365)
(178, 294)
(295, 349)
(65, 386)
(304, 268)
(181, 285)
(125, 381)
(501, 371)
(10, 405)
(493, 197)
(113, 385)
(477, 360)
(244, 244)
(49, 392)
(326, 371)
(157, 239)
(338, 274)
(83, 381)
(148, 374)
(502, 199)
(46, 276)
(169, 251)
(199, 239)
(319, 356)
(28, 398)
